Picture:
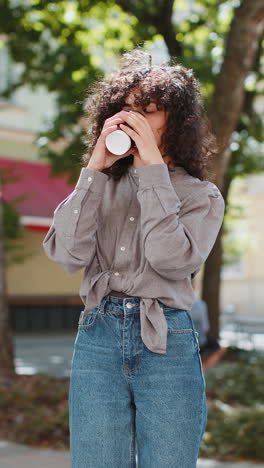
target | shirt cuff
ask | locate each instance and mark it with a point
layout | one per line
(91, 178)
(153, 174)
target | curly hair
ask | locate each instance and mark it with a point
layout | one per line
(188, 140)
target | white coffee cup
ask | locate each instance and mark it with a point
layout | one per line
(118, 142)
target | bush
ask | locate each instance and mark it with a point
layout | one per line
(34, 410)
(233, 433)
(43, 427)
(237, 382)
(235, 425)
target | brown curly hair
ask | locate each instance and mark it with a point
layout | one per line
(188, 140)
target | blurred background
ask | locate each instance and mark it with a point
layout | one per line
(50, 53)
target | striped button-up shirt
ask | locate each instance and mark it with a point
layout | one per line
(145, 235)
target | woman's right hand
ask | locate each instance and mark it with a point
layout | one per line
(101, 158)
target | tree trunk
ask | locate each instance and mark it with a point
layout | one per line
(7, 368)
(241, 48)
(166, 28)
(212, 275)
(159, 14)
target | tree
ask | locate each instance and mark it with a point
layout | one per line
(11, 251)
(242, 54)
(60, 47)
(229, 96)
(6, 348)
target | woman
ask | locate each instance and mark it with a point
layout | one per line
(142, 224)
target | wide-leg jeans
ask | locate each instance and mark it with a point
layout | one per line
(130, 407)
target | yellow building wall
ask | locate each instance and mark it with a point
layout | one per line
(38, 275)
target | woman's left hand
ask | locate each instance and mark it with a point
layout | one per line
(143, 137)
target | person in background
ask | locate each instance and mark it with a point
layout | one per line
(199, 313)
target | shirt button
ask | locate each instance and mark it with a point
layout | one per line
(139, 179)
(116, 273)
(122, 248)
(129, 305)
(132, 219)
(75, 211)
(89, 179)
(135, 170)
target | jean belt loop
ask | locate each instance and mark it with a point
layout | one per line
(101, 308)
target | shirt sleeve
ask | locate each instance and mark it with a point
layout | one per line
(71, 239)
(177, 236)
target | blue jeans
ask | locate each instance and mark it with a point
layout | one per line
(130, 407)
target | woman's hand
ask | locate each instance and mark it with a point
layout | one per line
(101, 158)
(143, 137)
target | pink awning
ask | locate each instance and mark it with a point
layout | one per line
(43, 191)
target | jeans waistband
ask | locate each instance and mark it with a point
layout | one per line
(120, 301)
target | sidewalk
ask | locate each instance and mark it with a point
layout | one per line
(14, 455)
